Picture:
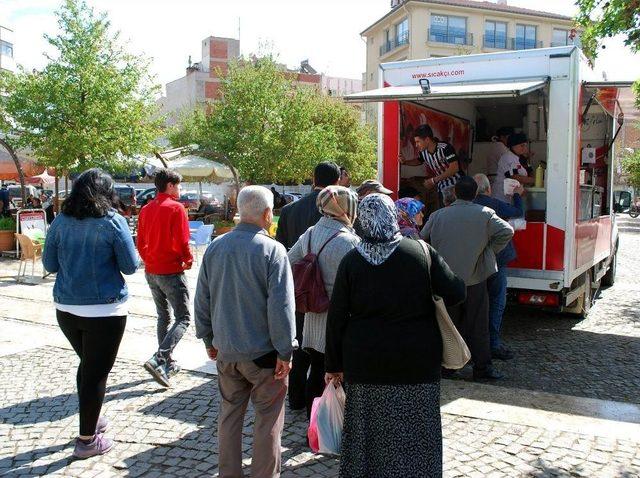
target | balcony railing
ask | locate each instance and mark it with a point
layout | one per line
(395, 43)
(560, 43)
(494, 41)
(441, 36)
(524, 44)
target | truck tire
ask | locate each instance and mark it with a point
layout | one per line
(582, 305)
(610, 277)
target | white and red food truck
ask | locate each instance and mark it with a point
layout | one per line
(571, 119)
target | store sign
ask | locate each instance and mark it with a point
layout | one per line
(438, 20)
(33, 223)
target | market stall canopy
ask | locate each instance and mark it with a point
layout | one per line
(8, 171)
(43, 179)
(198, 169)
(449, 91)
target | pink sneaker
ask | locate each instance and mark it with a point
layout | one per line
(102, 425)
(98, 446)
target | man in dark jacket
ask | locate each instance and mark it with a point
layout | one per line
(497, 283)
(295, 219)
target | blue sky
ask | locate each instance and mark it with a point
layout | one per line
(327, 32)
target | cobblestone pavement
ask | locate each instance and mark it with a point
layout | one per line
(172, 433)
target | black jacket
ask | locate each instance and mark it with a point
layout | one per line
(381, 326)
(296, 218)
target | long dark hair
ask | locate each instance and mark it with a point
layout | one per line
(92, 195)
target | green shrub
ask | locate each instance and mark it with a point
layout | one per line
(7, 224)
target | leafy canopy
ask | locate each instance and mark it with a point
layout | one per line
(602, 19)
(92, 105)
(274, 131)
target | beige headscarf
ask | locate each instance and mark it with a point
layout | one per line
(339, 203)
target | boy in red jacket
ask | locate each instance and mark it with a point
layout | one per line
(163, 245)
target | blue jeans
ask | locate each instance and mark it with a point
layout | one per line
(171, 290)
(497, 289)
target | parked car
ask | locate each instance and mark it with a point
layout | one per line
(291, 197)
(145, 195)
(191, 200)
(127, 196)
(15, 193)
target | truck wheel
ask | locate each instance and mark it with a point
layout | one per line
(610, 277)
(587, 297)
(582, 305)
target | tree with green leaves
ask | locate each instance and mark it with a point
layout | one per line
(274, 131)
(630, 160)
(93, 104)
(600, 19)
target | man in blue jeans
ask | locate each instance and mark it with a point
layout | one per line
(163, 245)
(497, 283)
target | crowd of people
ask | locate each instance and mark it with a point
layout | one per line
(378, 335)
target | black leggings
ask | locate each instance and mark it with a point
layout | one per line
(96, 341)
(315, 380)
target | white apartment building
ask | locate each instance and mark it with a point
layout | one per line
(6, 49)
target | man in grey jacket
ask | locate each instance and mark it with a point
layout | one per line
(244, 312)
(468, 237)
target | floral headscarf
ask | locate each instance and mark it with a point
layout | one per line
(339, 203)
(408, 208)
(380, 231)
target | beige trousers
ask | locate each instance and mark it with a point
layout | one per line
(239, 381)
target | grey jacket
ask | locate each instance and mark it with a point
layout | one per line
(314, 332)
(468, 237)
(245, 303)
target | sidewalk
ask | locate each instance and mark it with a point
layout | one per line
(488, 430)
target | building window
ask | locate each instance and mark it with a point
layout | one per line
(396, 38)
(402, 32)
(560, 37)
(6, 48)
(526, 37)
(448, 29)
(495, 34)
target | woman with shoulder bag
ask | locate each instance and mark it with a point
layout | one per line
(332, 237)
(384, 342)
(90, 246)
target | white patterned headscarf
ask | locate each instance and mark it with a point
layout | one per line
(380, 231)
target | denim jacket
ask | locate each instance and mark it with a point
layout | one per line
(90, 255)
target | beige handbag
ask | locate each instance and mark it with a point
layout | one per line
(455, 353)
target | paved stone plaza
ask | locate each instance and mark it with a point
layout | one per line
(569, 407)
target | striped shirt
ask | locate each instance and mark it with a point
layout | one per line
(438, 162)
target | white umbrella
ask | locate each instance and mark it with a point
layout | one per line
(45, 179)
(197, 169)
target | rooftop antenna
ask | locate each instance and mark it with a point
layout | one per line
(238, 29)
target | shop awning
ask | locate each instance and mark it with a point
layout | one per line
(510, 89)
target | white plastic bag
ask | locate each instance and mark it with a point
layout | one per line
(328, 419)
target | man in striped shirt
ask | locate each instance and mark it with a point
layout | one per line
(440, 160)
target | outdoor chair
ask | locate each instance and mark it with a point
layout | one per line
(193, 227)
(28, 251)
(202, 237)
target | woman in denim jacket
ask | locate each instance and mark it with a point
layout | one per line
(89, 246)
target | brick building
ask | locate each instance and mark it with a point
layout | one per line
(201, 82)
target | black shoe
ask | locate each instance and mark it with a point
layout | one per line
(157, 371)
(450, 374)
(488, 373)
(502, 353)
(172, 368)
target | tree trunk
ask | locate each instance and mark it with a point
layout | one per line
(14, 156)
(56, 191)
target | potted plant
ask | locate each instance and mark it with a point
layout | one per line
(7, 234)
(223, 226)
